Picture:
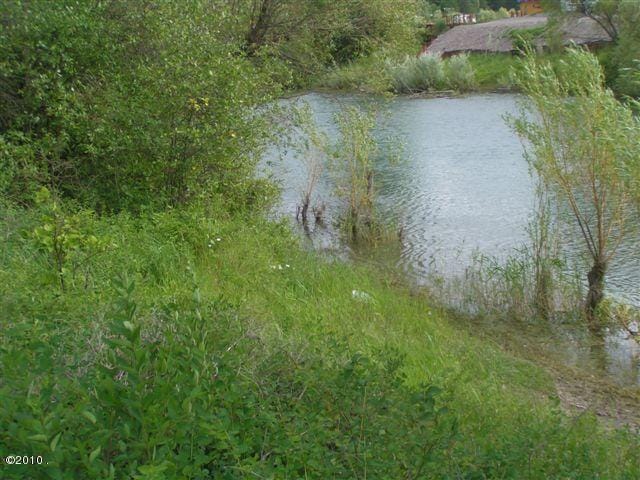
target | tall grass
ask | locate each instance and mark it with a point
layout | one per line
(493, 71)
(489, 15)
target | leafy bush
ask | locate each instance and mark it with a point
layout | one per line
(365, 75)
(122, 106)
(419, 74)
(460, 74)
(199, 395)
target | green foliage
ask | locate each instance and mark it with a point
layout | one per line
(425, 73)
(122, 106)
(626, 53)
(460, 74)
(231, 368)
(65, 238)
(353, 168)
(619, 18)
(494, 71)
(365, 75)
(421, 74)
(486, 15)
(195, 391)
(310, 35)
(584, 148)
(523, 39)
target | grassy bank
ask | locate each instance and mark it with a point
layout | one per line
(465, 73)
(202, 345)
(477, 72)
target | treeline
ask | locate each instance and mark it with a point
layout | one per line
(125, 105)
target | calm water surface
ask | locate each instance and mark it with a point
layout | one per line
(462, 187)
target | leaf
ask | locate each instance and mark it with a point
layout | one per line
(94, 454)
(54, 442)
(38, 437)
(89, 416)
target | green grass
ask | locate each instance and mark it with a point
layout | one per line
(278, 321)
(493, 70)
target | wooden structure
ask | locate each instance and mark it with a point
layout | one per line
(460, 19)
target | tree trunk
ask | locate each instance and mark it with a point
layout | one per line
(595, 293)
(543, 289)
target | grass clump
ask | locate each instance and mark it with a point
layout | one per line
(489, 15)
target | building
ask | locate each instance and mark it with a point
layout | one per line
(497, 36)
(530, 7)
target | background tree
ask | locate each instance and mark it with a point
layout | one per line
(605, 12)
(619, 19)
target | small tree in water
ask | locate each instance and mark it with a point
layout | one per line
(354, 157)
(582, 145)
(312, 147)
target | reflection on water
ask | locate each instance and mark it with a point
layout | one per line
(462, 187)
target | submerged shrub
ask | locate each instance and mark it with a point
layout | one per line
(353, 167)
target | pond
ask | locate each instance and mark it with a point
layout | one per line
(461, 188)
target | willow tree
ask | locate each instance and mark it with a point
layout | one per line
(582, 143)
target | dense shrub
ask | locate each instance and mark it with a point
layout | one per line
(460, 74)
(430, 72)
(121, 106)
(418, 74)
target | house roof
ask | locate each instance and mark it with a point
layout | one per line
(495, 36)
